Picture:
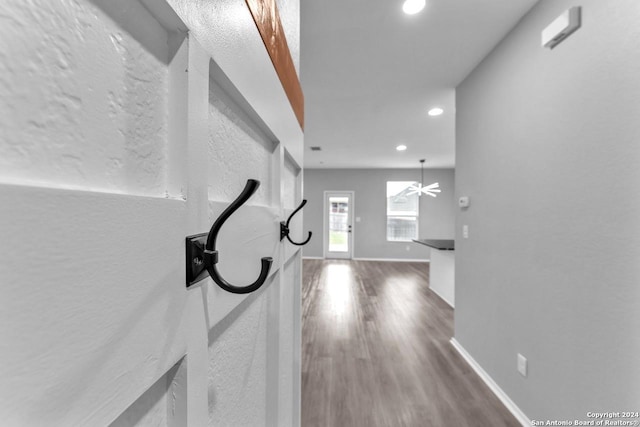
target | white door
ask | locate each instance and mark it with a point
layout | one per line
(128, 125)
(338, 224)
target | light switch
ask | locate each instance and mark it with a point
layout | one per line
(522, 365)
(357, 219)
(465, 231)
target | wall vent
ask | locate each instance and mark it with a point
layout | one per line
(316, 148)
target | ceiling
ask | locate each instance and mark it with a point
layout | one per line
(370, 73)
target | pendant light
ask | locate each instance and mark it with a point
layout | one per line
(430, 189)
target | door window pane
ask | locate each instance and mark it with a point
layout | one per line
(338, 224)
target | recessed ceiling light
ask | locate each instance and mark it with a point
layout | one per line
(401, 147)
(436, 111)
(411, 7)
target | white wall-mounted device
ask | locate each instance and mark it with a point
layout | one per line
(560, 29)
(522, 365)
(463, 202)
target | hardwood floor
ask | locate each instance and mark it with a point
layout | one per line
(376, 351)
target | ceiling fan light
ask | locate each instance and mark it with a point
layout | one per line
(411, 7)
(421, 189)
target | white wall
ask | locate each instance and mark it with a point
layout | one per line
(547, 149)
(125, 126)
(437, 215)
(85, 98)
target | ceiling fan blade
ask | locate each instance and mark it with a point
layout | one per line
(430, 186)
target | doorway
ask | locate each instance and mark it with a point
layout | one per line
(338, 224)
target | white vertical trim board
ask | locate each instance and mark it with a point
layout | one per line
(495, 388)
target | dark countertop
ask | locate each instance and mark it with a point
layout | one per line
(443, 245)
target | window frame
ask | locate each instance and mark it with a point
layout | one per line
(399, 214)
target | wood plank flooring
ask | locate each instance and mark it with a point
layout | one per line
(376, 351)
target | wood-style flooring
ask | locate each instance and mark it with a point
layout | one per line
(376, 351)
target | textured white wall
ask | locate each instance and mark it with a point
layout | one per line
(287, 334)
(85, 88)
(149, 410)
(290, 16)
(244, 378)
(238, 150)
(239, 381)
(157, 407)
(238, 366)
(547, 149)
(291, 173)
(227, 31)
(82, 102)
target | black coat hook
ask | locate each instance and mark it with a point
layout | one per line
(284, 228)
(201, 257)
(211, 254)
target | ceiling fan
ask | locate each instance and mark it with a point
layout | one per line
(418, 188)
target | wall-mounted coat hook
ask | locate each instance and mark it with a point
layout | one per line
(284, 227)
(203, 256)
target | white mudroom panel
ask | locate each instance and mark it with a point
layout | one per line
(238, 362)
(240, 145)
(162, 405)
(126, 126)
(84, 165)
(85, 90)
(291, 185)
(294, 207)
(289, 369)
(99, 320)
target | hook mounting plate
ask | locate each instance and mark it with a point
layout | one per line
(195, 268)
(284, 230)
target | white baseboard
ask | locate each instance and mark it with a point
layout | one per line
(495, 388)
(373, 259)
(442, 298)
(391, 259)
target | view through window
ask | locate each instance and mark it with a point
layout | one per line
(338, 224)
(402, 211)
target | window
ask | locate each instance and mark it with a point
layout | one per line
(402, 211)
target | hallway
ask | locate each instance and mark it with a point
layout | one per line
(376, 351)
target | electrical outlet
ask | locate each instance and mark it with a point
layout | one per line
(465, 231)
(522, 365)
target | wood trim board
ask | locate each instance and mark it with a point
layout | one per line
(265, 15)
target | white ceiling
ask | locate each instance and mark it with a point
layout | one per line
(370, 73)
